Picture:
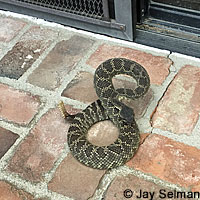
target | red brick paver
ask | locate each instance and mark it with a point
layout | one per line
(9, 192)
(25, 52)
(169, 160)
(59, 62)
(131, 187)
(178, 111)
(75, 180)
(17, 106)
(79, 87)
(43, 146)
(7, 139)
(157, 66)
(103, 133)
(10, 28)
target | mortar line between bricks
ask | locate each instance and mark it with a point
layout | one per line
(107, 179)
(78, 68)
(35, 65)
(191, 140)
(53, 97)
(13, 127)
(49, 175)
(22, 132)
(38, 190)
(9, 154)
(47, 98)
(75, 103)
(166, 85)
(8, 46)
(183, 138)
(27, 87)
(28, 125)
(158, 91)
(181, 60)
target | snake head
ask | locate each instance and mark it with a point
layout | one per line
(127, 114)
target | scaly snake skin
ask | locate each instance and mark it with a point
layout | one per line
(109, 107)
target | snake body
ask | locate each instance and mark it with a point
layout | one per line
(109, 107)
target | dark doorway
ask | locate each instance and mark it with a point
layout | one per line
(169, 24)
(189, 4)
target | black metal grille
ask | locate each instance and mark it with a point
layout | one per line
(88, 8)
(110, 17)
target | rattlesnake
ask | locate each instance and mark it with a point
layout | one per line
(109, 107)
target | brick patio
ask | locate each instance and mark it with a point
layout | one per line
(41, 64)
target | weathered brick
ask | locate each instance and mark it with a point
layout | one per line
(103, 133)
(81, 88)
(75, 180)
(25, 52)
(42, 147)
(168, 160)
(59, 62)
(9, 192)
(10, 28)
(157, 66)
(132, 187)
(178, 111)
(7, 139)
(17, 106)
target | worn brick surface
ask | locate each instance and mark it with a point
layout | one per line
(7, 139)
(178, 111)
(9, 28)
(75, 180)
(133, 187)
(9, 192)
(25, 52)
(169, 160)
(79, 88)
(82, 85)
(59, 62)
(103, 133)
(17, 106)
(157, 66)
(43, 146)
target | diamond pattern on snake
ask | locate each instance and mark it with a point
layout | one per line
(108, 107)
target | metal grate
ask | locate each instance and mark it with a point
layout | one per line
(88, 8)
(109, 17)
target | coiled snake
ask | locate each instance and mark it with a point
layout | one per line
(109, 107)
